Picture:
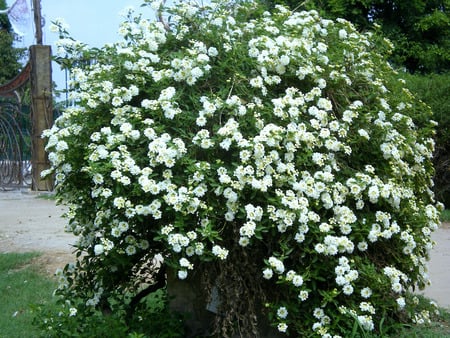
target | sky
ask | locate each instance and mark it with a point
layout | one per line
(94, 22)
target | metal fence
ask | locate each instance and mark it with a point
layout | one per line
(15, 132)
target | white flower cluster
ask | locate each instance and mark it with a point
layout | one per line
(321, 326)
(345, 276)
(396, 278)
(247, 230)
(365, 320)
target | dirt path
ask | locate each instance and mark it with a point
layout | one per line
(29, 223)
(439, 267)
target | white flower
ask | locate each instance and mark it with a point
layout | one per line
(320, 248)
(212, 51)
(250, 155)
(342, 34)
(373, 193)
(119, 202)
(257, 82)
(244, 241)
(347, 289)
(97, 178)
(220, 252)
(282, 327)
(366, 292)
(300, 237)
(276, 264)
(248, 229)
(98, 249)
(116, 101)
(366, 322)
(303, 295)
(297, 280)
(363, 133)
(318, 158)
(401, 302)
(318, 313)
(282, 312)
(229, 216)
(167, 94)
(130, 250)
(61, 146)
(199, 249)
(182, 274)
(324, 103)
(397, 287)
(201, 121)
(341, 280)
(225, 144)
(72, 312)
(267, 273)
(186, 264)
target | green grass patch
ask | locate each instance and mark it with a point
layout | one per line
(47, 196)
(21, 286)
(445, 215)
(437, 329)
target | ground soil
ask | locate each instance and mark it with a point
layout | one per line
(33, 222)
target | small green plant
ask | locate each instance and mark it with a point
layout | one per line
(152, 319)
(430, 321)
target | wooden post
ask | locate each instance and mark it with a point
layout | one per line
(41, 112)
(37, 20)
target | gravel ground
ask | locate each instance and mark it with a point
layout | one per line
(30, 222)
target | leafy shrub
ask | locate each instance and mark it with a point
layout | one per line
(277, 154)
(433, 90)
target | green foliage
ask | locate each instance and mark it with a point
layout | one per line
(433, 89)
(433, 322)
(9, 56)
(151, 320)
(445, 216)
(419, 29)
(276, 154)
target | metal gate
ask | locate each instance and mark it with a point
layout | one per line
(15, 132)
(26, 110)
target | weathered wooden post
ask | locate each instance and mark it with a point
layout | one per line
(41, 112)
(37, 20)
(41, 103)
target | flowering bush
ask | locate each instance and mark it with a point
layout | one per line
(276, 153)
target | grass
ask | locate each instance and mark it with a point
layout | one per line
(437, 329)
(47, 196)
(445, 215)
(21, 286)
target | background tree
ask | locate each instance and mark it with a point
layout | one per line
(419, 29)
(10, 56)
(433, 89)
